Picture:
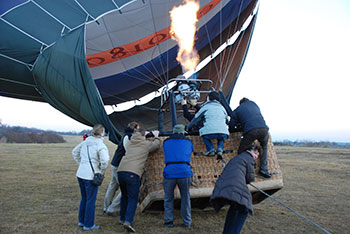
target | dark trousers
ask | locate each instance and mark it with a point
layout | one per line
(260, 134)
(129, 185)
(235, 219)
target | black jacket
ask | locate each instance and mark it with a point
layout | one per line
(189, 116)
(248, 116)
(120, 151)
(231, 187)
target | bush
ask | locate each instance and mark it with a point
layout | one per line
(10, 135)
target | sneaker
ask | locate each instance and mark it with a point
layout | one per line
(80, 224)
(128, 227)
(220, 152)
(113, 214)
(187, 225)
(91, 228)
(210, 153)
(121, 222)
(169, 224)
(265, 173)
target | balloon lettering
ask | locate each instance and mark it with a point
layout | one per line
(138, 49)
(205, 10)
(117, 52)
(157, 39)
(92, 62)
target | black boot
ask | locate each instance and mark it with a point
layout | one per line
(265, 173)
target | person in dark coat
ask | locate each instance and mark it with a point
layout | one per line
(231, 188)
(187, 114)
(177, 157)
(112, 207)
(251, 122)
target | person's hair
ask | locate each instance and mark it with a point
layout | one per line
(243, 100)
(97, 130)
(140, 130)
(214, 96)
(254, 147)
(133, 125)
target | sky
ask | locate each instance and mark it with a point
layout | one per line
(297, 71)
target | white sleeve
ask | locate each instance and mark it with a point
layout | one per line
(104, 158)
(76, 153)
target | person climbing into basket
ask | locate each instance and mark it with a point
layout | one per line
(214, 125)
(177, 158)
(185, 107)
(248, 116)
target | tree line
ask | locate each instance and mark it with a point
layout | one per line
(18, 134)
(306, 143)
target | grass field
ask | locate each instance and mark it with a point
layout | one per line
(39, 193)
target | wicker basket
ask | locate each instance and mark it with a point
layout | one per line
(206, 171)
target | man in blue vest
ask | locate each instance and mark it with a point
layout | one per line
(250, 120)
(112, 207)
(177, 157)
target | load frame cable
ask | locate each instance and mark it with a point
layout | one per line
(295, 212)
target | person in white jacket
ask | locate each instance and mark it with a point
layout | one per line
(93, 148)
(214, 118)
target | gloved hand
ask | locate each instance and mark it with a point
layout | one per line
(183, 102)
(193, 102)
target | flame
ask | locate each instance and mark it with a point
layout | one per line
(183, 29)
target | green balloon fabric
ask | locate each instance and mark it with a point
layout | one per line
(63, 78)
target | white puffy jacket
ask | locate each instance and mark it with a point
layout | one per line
(99, 157)
(215, 117)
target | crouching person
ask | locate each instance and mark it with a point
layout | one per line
(130, 170)
(177, 157)
(231, 188)
(214, 117)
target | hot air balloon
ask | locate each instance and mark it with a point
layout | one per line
(82, 55)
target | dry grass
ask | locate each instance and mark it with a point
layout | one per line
(40, 194)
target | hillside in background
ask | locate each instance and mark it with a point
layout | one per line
(14, 134)
(323, 144)
(18, 134)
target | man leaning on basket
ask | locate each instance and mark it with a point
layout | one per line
(177, 157)
(129, 172)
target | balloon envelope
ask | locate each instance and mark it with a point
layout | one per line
(51, 51)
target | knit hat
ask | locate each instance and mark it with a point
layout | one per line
(214, 96)
(179, 128)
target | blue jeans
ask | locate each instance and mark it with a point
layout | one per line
(129, 186)
(235, 219)
(184, 186)
(219, 136)
(87, 202)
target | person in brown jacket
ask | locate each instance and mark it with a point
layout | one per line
(130, 170)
